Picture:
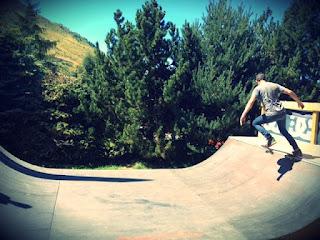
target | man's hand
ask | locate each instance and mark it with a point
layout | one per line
(294, 96)
(242, 120)
(300, 105)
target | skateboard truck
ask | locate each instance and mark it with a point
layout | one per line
(267, 149)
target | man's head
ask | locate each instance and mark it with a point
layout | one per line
(260, 77)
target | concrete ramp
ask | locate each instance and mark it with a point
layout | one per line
(240, 192)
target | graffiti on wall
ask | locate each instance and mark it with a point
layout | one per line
(298, 125)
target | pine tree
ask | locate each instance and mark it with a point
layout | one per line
(179, 88)
(139, 59)
(295, 63)
(230, 60)
(152, 30)
(22, 65)
(96, 109)
(129, 87)
(180, 93)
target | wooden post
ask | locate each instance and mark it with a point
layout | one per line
(314, 128)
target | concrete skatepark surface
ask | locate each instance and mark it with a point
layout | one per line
(240, 192)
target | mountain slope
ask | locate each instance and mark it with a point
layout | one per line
(70, 49)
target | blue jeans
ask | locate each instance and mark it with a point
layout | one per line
(281, 122)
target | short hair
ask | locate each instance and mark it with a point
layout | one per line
(260, 76)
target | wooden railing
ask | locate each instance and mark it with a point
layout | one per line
(308, 107)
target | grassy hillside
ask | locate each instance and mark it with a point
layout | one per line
(70, 49)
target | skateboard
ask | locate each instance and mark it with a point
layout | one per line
(267, 149)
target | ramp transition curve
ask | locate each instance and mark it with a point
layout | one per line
(240, 192)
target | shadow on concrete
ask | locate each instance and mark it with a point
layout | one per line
(12, 164)
(5, 200)
(308, 156)
(286, 165)
(310, 231)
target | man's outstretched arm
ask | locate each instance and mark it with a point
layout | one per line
(247, 109)
(294, 96)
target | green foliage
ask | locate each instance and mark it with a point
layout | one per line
(156, 94)
(223, 79)
(23, 63)
(138, 56)
(180, 95)
(292, 49)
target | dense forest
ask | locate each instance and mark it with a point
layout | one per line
(162, 95)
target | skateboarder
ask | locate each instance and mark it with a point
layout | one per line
(267, 93)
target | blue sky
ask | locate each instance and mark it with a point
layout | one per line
(93, 19)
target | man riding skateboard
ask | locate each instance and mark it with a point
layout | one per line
(268, 93)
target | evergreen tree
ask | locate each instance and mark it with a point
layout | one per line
(296, 47)
(66, 128)
(154, 93)
(23, 64)
(152, 30)
(266, 31)
(229, 40)
(96, 109)
(180, 93)
(129, 88)
(139, 59)
(230, 61)
(180, 86)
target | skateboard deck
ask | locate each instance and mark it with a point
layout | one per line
(267, 149)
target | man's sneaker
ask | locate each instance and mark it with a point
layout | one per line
(297, 153)
(271, 141)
